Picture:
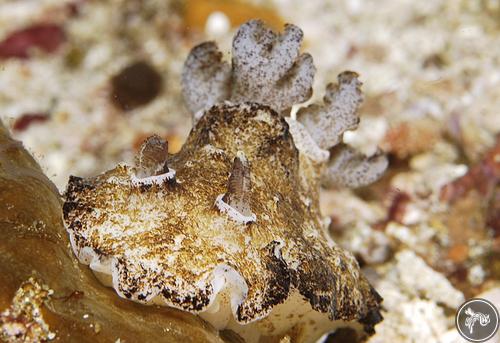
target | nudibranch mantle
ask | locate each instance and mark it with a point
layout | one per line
(229, 227)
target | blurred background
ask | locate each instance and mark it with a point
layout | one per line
(84, 82)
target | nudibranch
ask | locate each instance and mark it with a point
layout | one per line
(229, 227)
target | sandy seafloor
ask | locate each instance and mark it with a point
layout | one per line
(427, 234)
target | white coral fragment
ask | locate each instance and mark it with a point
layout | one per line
(429, 283)
(337, 114)
(412, 321)
(415, 296)
(205, 77)
(349, 168)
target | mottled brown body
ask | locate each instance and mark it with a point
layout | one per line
(285, 248)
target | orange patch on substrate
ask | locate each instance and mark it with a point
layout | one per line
(196, 13)
(458, 253)
(407, 139)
